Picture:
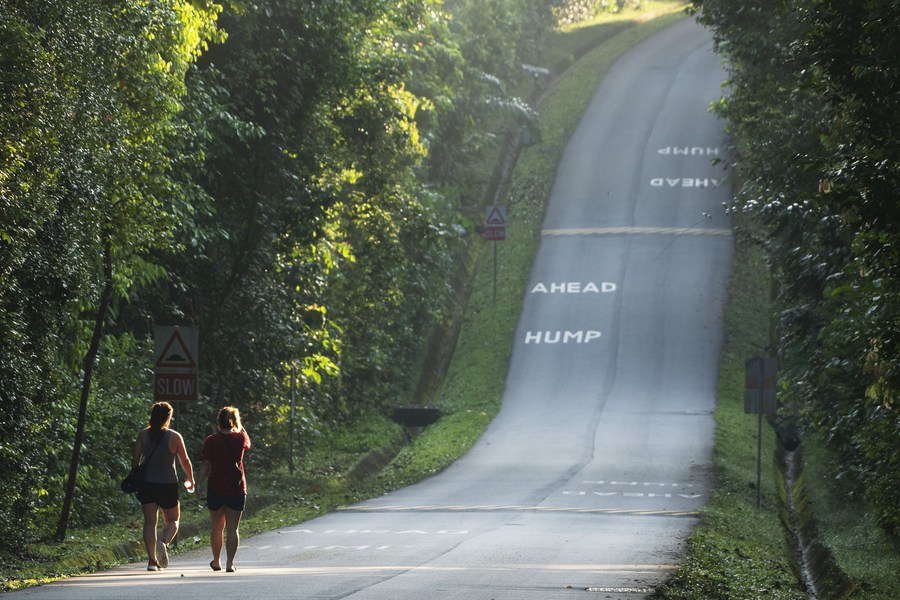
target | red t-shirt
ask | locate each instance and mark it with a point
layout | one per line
(222, 473)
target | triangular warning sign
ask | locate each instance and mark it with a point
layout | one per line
(175, 354)
(495, 217)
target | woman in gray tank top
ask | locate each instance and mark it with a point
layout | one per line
(158, 447)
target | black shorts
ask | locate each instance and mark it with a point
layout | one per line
(215, 501)
(163, 494)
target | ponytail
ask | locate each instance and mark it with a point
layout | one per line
(229, 419)
(160, 417)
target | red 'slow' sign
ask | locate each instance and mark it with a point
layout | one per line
(496, 234)
(174, 387)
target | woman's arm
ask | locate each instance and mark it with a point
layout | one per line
(202, 472)
(181, 453)
(138, 449)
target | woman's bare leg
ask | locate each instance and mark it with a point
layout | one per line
(171, 517)
(150, 521)
(216, 527)
(232, 523)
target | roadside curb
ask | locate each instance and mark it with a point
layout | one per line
(121, 553)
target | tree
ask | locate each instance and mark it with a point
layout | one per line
(85, 187)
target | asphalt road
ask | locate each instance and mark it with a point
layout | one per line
(587, 483)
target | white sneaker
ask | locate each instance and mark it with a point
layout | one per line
(162, 554)
(152, 566)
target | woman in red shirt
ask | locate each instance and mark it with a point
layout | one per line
(222, 459)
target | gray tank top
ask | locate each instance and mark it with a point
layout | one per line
(161, 466)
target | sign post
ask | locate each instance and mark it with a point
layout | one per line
(495, 223)
(760, 377)
(495, 231)
(175, 352)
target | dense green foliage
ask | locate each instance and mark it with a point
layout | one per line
(298, 180)
(89, 93)
(814, 111)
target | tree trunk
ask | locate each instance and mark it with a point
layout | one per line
(88, 370)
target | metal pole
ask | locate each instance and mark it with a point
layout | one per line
(291, 435)
(759, 457)
(495, 271)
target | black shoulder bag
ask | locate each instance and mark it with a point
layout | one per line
(236, 482)
(134, 479)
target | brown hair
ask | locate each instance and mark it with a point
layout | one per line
(160, 417)
(229, 419)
